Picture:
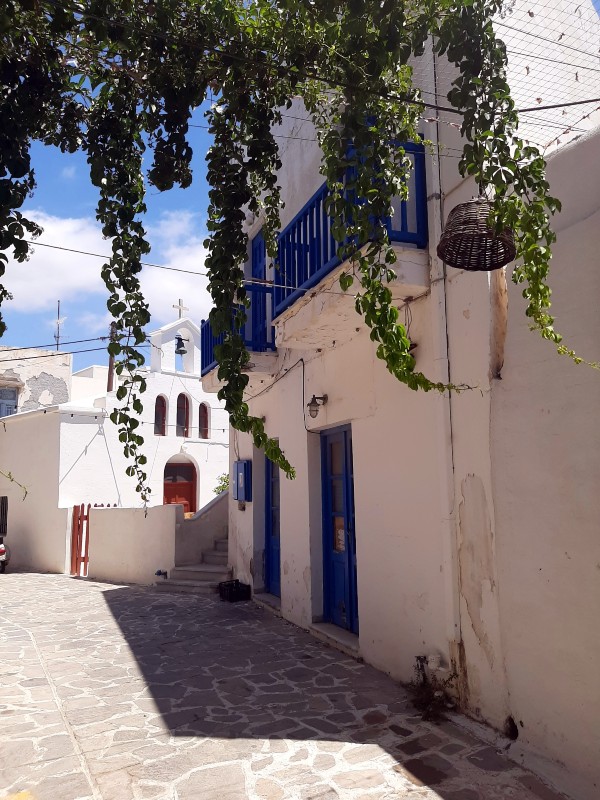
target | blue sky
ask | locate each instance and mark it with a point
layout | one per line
(64, 204)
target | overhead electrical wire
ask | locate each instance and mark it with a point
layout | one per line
(248, 281)
(559, 105)
(51, 354)
(551, 60)
(107, 257)
(555, 42)
(62, 344)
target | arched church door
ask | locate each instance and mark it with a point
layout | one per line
(180, 484)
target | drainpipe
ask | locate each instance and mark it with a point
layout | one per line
(450, 565)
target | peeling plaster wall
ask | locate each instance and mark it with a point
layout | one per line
(476, 559)
(43, 377)
(545, 446)
(475, 335)
(477, 318)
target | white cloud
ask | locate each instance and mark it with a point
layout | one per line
(93, 322)
(68, 173)
(177, 242)
(51, 322)
(50, 274)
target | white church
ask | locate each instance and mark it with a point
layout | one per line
(63, 450)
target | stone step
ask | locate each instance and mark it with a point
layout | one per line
(214, 573)
(187, 587)
(214, 557)
(221, 545)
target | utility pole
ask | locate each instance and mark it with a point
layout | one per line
(111, 358)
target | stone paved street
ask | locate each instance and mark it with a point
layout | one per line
(122, 693)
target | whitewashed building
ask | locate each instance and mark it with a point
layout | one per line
(460, 527)
(68, 453)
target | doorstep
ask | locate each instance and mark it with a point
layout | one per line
(269, 601)
(337, 637)
(327, 633)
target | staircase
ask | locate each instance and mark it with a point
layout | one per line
(202, 578)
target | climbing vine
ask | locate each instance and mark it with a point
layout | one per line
(120, 78)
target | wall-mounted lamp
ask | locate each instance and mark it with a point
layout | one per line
(179, 348)
(314, 405)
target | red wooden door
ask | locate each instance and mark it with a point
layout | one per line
(80, 541)
(180, 486)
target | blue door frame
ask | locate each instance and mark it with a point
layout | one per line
(339, 537)
(272, 530)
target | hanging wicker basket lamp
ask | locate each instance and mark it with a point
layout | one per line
(468, 242)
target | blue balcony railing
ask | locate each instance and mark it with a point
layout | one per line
(308, 251)
(257, 332)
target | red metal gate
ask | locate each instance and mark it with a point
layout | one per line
(80, 540)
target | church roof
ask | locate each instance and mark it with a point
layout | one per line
(175, 325)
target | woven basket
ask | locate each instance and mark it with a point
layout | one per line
(469, 243)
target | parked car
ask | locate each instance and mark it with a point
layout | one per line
(4, 556)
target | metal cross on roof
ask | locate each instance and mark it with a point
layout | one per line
(181, 308)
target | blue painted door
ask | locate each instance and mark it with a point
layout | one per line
(339, 539)
(258, 294)
(272, 530)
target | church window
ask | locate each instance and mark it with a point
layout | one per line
(204, 421)
(160, 416)
(183, 416)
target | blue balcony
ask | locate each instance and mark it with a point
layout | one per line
(308, 251)
(257, 332)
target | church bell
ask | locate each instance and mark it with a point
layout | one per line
(179, 347)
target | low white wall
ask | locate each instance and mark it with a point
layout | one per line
(199, 533)
(38, 531)
(128, 546)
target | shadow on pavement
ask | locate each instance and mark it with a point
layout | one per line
(235, 671)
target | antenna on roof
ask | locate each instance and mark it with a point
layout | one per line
(58, 321)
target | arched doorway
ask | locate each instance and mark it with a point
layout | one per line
(180, 483)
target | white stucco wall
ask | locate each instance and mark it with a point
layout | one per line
(38, 530)
(129, 546)
(545, 450)
(89, 383)
(398, 532)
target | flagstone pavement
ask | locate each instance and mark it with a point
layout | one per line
(124, 693)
